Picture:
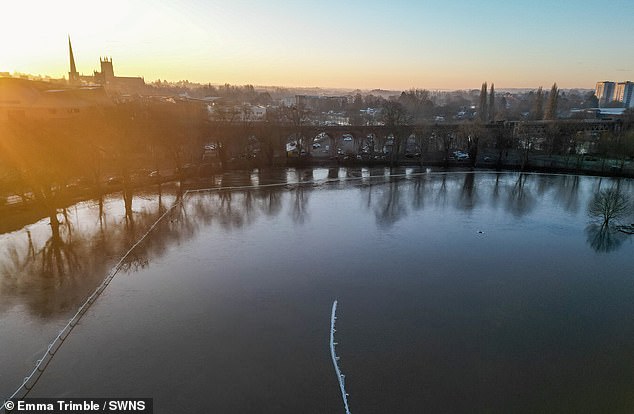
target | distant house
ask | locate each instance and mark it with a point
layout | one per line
(288, 101)
(258, 112)
(244, 112)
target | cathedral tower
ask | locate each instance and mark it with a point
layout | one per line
(73, 76)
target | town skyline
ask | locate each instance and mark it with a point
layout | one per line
(369, 45)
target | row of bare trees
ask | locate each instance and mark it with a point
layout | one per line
(42, 157)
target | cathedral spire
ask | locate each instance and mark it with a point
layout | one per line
(73, 76)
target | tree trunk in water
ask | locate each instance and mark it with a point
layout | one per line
(127, 200)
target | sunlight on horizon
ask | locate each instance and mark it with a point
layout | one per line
(369, 45)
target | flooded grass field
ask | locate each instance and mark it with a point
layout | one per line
(457, 293)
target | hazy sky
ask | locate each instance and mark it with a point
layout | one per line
(395, 44)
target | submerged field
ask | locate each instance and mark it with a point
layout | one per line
(456, 292)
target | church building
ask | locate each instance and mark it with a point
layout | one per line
(105, 77)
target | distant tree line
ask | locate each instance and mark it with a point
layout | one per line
(422, 105)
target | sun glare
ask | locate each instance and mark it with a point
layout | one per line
(35, 33)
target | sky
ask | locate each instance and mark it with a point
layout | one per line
(395, 44)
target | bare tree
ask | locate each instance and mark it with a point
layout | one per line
(492, 110)
(417, 104)
(471, 133)
(483, 103)
(395, 117)
(298, 117)
(551, 107)
(537, 111)
(608, 205)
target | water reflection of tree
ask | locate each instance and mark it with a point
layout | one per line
(58, 254)
(179, 224)
(249, 206)
(441, 197)
(495, 194)
(420, 188)
(69, 280)
(55, 273)
(468, 197)
(299, 212)
(567, 192)
(389, 207)
(270, 201)
(56, 258)
(604, 239)
(42, 273)
(520, 199)
(229, 214)
(237, 208)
